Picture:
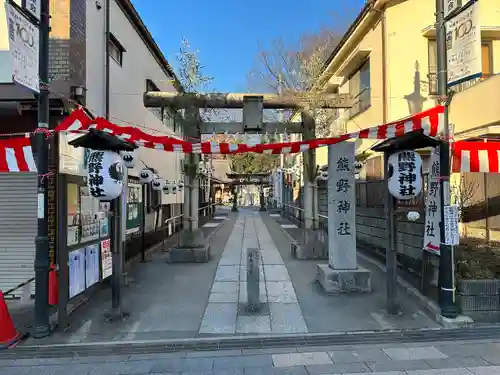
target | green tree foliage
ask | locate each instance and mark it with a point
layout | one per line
(252, 162)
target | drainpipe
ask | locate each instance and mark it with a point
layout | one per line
(106, 63)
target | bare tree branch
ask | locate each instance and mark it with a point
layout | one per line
(193, 79)
(293, 69)
(463, 194)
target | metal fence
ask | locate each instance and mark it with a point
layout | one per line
(161, 234)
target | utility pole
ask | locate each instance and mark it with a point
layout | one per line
(446, 260)
(42, 257)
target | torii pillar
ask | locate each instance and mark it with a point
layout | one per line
(311, 245)
(191, 247)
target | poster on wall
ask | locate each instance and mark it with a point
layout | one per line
(106, 259)
(89, 217)
(92, 265)
(134, 206)
(73, 220)
(103, 227)
(76, 265)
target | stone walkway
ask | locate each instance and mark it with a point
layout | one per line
(225, 312)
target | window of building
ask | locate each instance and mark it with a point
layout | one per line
(158, 112)
(359, 88)
(374, 170)
(166, 115)
(486, 60)
(116, 50)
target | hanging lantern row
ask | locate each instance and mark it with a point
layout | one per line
(146, 176)
(106, 171)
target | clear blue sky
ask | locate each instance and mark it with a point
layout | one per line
(227, 32)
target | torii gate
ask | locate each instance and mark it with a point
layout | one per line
(259, 179)
(253, 106)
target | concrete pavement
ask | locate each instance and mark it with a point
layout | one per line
(479, 357)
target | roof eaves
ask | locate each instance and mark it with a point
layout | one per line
(146, 36)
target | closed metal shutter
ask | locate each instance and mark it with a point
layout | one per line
(18, 226)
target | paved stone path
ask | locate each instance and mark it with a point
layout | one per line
(225, 312)
(438, 358)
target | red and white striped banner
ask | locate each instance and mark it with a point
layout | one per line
(476, 157)
(16, 155)
(429, 121)
(79, 122)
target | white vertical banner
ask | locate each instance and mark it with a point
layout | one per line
(432, 235)
(463, 45)
(341, 206)
(23, 48)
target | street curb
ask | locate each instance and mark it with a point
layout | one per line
(280, 227)
(390, 336)
(216, 229)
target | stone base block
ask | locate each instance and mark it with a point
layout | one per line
(199, 254)
(460, 321)
(344, 281)
(312, 246)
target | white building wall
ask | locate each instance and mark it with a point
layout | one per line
(96, 58)
(127, 85)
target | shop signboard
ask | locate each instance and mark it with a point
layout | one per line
(106, 259)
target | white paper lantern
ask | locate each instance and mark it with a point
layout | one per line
(413, 216)
(167, 188)
(129, 158)
(180, 185)
(158, 183)
(405, 171)
(105, 175)
(174, 188)
(358, 166)
(324, 175)
(146, 176)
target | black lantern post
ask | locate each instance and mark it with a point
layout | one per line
(102, 141)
